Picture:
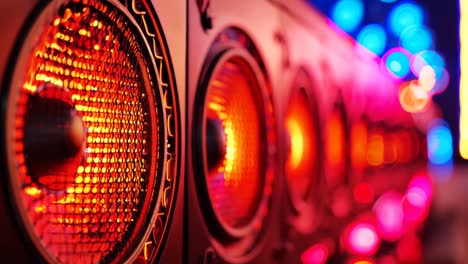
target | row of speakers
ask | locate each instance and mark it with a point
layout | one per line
(138, 131)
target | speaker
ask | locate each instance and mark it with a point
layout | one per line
(232, 188)
(323, 71)
(92, 131)
(315, 108)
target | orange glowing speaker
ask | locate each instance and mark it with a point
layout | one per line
(339, 105)
(303, 162)
(337, 147)
(90, 131)
(303, 165)
(231, 203)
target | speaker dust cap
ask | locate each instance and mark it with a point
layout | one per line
(85, 136)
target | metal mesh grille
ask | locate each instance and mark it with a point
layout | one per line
(235, 186)
(84, 134)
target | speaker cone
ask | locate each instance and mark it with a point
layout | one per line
(234, 146)
(85, 136)
(234, 137)
(302, 164)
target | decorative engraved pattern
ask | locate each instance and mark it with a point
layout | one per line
(147, 20)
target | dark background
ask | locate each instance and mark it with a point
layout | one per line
(443, 18)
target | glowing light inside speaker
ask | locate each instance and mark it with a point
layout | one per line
(234, 143)
(302, 159)
(335, 149)
(359, 135)
(86, 135)
(297, 143)
(376, 147)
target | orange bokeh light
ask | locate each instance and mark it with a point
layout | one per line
(413, 97)
(376, 147)
(427, 78)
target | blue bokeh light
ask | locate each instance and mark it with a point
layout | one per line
(439, 143)
(442, 83)
(374, 38)
(416, 38)
(404, 16)
(348, 14)
(388, 1)
(397, 62)
(428, 58)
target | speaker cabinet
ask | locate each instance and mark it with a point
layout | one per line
(200, 131)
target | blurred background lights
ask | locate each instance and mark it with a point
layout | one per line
(439, 143)
(389, 214)
(413, 98)
(363, 239)
(373, 37)
(316, 254)
(397, 62)
(348, 14)
(404, 16)
(428, 58)
(429, 81)
(417, 199)
(427, 78)
(442, 82)
(398, 33)
(416, 39)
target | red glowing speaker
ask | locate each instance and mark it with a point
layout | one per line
(91, 136)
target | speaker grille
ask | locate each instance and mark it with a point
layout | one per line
(88, 134)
